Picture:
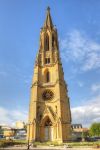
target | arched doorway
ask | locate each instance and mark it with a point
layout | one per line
(48, 130)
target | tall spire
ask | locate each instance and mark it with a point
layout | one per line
(48, 21)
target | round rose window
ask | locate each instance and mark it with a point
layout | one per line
(47, 95)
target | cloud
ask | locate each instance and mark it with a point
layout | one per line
(81, 50)
(84, 114)
(95, 87)
(9, 117)
(88, 113)
(80, 83)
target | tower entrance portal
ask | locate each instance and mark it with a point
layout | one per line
(48, 129)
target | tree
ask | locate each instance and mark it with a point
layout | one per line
(85, 134)
(1, 130)
(95, 129)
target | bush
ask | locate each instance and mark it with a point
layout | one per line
(5, 143)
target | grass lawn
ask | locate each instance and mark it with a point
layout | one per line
(5, 143)
(74, 144)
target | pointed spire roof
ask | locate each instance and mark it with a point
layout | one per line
(48, 21)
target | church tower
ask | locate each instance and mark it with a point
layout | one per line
(49, 109)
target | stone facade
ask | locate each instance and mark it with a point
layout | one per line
(49, 109)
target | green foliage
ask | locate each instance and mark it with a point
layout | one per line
(47, 143)
(20, 141)
(95, 129)
(85, 134)
(71, 144)
(1, 130)
(6, 143)
(25, 127)
(79, 144)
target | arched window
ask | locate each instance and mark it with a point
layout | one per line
(47, 76)
(47, 60)
(48, 122)
(47, 43)
(53, 41)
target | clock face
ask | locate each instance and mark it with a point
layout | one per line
(48, 95)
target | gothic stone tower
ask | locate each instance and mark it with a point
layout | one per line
(49, 110)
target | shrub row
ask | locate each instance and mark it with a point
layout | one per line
(6, 143)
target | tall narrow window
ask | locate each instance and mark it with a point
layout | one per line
(47, 60)
(48, 76)
(47, 43)
(53, 41)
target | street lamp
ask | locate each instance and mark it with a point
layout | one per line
(28, 144)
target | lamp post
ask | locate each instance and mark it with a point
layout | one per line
(28, 144)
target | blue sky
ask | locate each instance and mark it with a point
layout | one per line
(78, 25)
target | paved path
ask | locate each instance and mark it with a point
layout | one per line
(46, 148)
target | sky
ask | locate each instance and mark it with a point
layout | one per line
(78, 25)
